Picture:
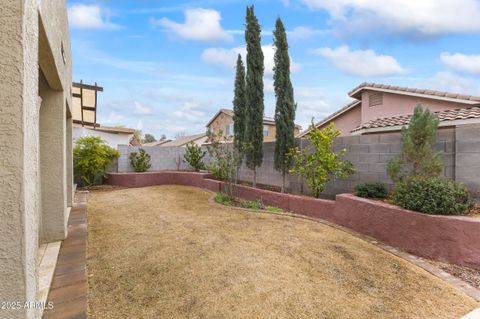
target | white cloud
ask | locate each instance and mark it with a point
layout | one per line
(462, 62)
(303, 33)
(140, 109)
(361, 62)
(426, 17)
(311, 103)
(83, 16)
(226, 58)
(449, 82)
(200, 24)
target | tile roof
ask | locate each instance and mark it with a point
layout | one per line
(443, 116)
(157, 143)
(184, 140)
(400, 89)
(266, 120)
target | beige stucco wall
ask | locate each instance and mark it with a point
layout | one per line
(20, 183)
(224, 119)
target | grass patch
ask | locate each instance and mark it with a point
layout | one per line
(166, 252)
(227, 200)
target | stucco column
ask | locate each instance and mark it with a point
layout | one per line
(53, 155)
(19, 200)
(69, 171)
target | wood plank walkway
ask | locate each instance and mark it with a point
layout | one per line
(68, 291)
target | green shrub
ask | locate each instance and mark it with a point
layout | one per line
(371, 190)
(433, 195)
(140, 161)
(318, 162)
(91, 156)
(274, 209)
(224, 199)
(252, 204)
(418, 157)
(194, 156)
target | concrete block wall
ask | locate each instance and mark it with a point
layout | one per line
(467, 157)
(459, 147)
(162, 158)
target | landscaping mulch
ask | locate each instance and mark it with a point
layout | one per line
(469, 275)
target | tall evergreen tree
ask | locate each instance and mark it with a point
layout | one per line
(285, 105)
(239, 108)
(254, 93)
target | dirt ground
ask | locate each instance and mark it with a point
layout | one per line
(166, 252)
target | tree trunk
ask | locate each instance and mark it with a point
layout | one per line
(255, 177)
(283, 182)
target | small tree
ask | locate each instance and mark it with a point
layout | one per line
(285, 105)
(317, 162)
(91, 156)
(149, 138)
(140, 161)
(194, 156)
(239, 107)
(254, 94)
(418, 157)
(224, 160)
(138, 135)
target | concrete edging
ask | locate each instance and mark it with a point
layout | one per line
(449, 239)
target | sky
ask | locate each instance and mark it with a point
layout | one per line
(168, 66)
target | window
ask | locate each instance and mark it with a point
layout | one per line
(265, 130)
(375, 99)
(229, 129)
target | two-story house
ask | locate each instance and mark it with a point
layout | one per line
(386, 108)
(223, 121)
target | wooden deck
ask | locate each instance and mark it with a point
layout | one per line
(68, 291)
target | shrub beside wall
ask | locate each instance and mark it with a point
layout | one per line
(371, 190)
(433, 196)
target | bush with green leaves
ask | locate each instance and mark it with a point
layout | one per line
(224, 160)
(433, 195)
(140, 161)
(91, 156)
(371, 190)
(224, 199)
(318, 162)
(418, 157)
(194, 156)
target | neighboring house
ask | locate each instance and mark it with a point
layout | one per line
(198, 139)
(223, 121)
(386, 108)
(84, 116)
(113, 136)
(36, 188)
(157, 143)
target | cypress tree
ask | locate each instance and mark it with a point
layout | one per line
(239, 105)
(285, 105)
(254, 93)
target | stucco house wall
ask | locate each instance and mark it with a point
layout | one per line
(346, 122)
(224, 119)
(112, 139)
(34, 36)
(397, 104)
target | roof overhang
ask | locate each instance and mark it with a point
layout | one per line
(357, 94)
(396, 128)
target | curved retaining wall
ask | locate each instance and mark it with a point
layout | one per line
(450, 239)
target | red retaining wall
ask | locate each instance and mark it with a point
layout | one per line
(450, 239)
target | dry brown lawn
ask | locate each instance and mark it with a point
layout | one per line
(166, 252)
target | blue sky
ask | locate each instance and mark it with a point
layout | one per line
(167, 66)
